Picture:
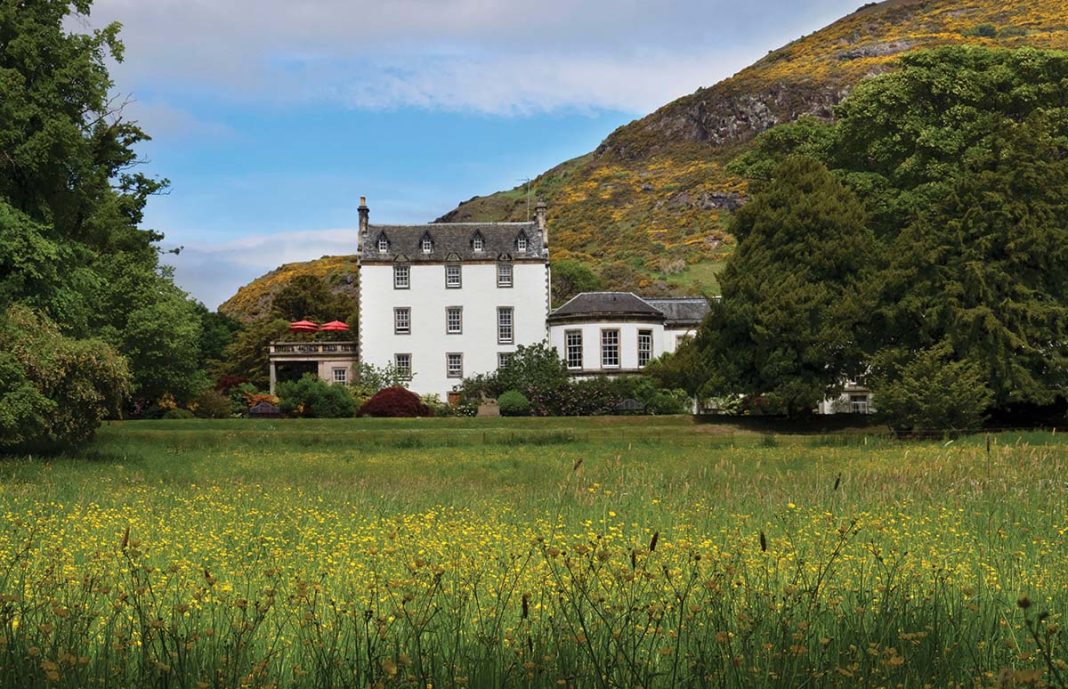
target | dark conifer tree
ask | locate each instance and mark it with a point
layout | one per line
(787, 325)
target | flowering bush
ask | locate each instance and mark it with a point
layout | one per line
(394, 402)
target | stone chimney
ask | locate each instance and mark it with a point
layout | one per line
(365, 213)
(539, 218)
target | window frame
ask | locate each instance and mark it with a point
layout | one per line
(407, 311)
(426, 245)
(459, 276)
(478, 243)
(344, 371)
(604, 350)
(460, 329)
(448, 367)
(649, 352)
(510, 310)
(568, 349)
(521, 243)
(383, 245)
(405, 372)
(406, 270)
(504, 267)
(501, 363)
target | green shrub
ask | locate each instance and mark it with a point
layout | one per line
(591, 396)
(983, 31)
(313, 397)
(436, 406)
(930, 390)
(513, 403)
(239, 397)
(54, 390)
(669, 402)
(178, 413)
(212, 404)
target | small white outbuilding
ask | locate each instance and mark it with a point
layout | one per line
(614, 333)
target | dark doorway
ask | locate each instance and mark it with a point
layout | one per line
(295, 370)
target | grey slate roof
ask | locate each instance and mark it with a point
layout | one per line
(681, 311)
(675, 312)
(453, 242)
(610, 305)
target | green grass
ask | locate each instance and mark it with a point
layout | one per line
(699, 278)
(649, 551)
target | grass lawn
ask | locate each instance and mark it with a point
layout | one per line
(607, 552)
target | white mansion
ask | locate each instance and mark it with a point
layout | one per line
(445, 301)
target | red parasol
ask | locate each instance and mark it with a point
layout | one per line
(334, 326)
(303, 327)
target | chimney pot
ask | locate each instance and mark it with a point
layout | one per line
(364, 213)
(539, 218)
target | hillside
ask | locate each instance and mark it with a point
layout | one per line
(650, 206)
(254, 299)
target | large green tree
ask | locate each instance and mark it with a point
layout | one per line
(309, 297)
(959, 157)
(788, 320)
(984, 269)
(71, 201)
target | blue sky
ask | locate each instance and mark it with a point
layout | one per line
(272, 117)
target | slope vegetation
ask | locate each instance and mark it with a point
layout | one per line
(649, 208)
(655, 194)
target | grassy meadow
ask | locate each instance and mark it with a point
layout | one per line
(631, 552)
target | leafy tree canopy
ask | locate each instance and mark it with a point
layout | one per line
(961, 159)
(786, 323)
(71, 202)
(309, 297)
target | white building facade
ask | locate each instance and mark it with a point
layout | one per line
(615, 333)
(446, 301)
(855, 399)
(441, 302)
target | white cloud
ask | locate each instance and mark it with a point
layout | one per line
(490, 56)
(214, 272)
(165, 120)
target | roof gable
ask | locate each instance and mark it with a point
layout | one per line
(682, 311)
(455, 242)
(606, 305)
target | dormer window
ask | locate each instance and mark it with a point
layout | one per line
(477, 244)
(521, 243)
(427, 244)
(383, 245)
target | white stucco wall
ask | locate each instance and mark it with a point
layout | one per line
(428, 298)
(855, 399)
(591, 343)
(673, 337)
